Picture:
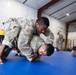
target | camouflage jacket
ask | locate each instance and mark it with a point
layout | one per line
(25, 31)
(35, 44)
(60, 39)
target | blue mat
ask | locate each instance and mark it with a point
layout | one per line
(60, 63)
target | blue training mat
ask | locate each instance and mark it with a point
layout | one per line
(60, 63)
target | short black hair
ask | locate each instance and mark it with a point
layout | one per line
(74, 48)
(3, 23)
(43, 20)
(49, 49)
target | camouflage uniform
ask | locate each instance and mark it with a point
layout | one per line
(23, 29)
(60, 42)
(35, 44)
(49, 39)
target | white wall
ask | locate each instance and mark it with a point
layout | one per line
(55, 26)
(72, 34)
(11, 8)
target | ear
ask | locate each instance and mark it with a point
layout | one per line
(37, 25)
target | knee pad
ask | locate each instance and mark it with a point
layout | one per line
(6, 52)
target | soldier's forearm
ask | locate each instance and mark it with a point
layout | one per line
(33, 59)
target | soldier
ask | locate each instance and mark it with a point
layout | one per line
(74, 51)
(39, 48)
(23, 29)
(60, 41)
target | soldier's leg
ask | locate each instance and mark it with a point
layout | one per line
(16, 50)
(8, 39)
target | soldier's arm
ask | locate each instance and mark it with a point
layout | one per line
(34, 58)
(49, 34)
(24, 42)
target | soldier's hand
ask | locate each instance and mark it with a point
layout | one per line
(1, 61)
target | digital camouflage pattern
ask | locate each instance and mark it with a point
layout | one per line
(60, 42)
(23, 29)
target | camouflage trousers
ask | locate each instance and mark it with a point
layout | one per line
(10, 35)
(60, 46)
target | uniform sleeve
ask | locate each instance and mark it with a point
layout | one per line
(49, 35)
(24, 39)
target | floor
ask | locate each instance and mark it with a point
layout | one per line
(60, 63)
